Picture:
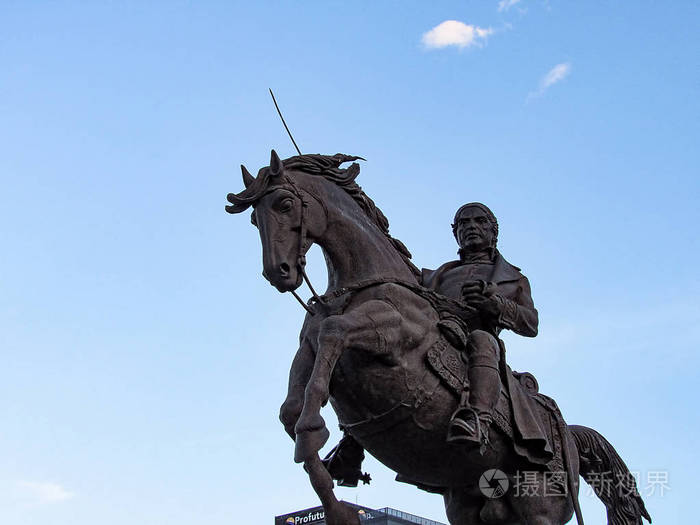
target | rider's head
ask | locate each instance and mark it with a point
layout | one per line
(475, 228)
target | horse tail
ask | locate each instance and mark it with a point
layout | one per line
(606, 473)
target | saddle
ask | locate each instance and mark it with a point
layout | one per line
(536, 430)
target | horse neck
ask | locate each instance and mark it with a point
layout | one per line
(357, 250)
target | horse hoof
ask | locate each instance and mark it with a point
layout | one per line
(308, 443)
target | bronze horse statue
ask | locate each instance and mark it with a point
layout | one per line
(382, 349)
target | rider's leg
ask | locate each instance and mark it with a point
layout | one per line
(470, 423)
(483, 353)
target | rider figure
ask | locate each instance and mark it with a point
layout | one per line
(484, 280)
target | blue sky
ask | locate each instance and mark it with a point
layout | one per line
(143, 357)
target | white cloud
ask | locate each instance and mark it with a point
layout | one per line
(554, 75)
(455, 33)
(504, 5)
(557, 73)
(45, 493)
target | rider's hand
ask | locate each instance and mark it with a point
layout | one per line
(472, 290)
(487, 305)
(480, 295)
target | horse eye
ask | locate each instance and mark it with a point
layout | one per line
(285, 205)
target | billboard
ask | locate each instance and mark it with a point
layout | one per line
(316, 516)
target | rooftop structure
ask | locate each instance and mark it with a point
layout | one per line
(383, 516)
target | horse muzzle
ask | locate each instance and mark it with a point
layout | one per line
(284, 277)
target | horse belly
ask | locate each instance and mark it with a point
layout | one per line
(415, 446)
(358, 391)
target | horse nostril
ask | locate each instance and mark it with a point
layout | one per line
(284, 269)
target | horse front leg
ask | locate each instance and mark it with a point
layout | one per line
(299, 374)
(337, 513)
(310, 429)
(371, 325)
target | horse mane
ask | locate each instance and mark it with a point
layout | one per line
(328, 167)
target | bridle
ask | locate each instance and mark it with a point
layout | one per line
(301, 259)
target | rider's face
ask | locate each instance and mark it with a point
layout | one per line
(474, 231)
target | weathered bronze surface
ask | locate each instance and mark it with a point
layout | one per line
(412, 363)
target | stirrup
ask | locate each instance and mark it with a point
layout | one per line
(466, 427)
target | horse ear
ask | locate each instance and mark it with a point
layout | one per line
(247, 177)
(276, 167)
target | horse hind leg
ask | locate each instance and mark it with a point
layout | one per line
(463, 508)
(539, 507)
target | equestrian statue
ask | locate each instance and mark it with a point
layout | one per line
(412, 362)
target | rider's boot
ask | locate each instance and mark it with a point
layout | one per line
(470, 423)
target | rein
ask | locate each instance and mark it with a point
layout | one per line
(301, 259)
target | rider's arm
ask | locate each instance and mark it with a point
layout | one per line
(519, 313)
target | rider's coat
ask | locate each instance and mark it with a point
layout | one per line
(518, 314)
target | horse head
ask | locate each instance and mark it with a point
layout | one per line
(289, 219)
(309, 199)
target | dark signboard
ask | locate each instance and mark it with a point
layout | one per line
(316, 516)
